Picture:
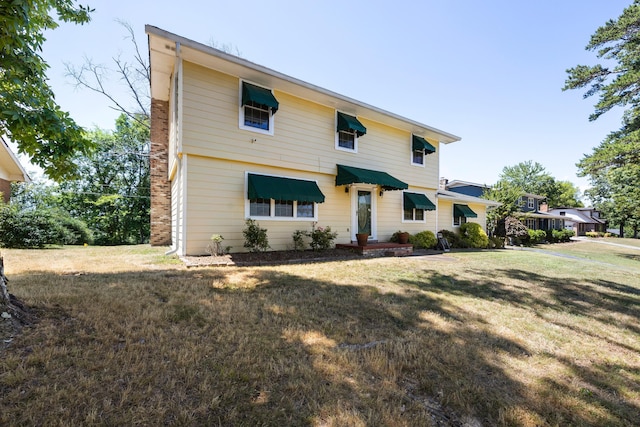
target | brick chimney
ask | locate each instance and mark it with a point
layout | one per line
(159, 174)
(544, 207)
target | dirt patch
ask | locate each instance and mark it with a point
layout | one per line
(15, 316)
(270, 258)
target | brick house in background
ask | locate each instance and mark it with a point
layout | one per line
(10, 170)
(231, 140)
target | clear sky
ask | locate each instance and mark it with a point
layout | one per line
(488, 71)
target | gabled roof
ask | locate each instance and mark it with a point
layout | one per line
(577, 215)
(165, 47)
(10, 167)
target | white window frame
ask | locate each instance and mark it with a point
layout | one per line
(461, 220)
(272, 209)
(353, 190)
(337, 141)
(531, 203)
(414, 220)
(241, 124)
(424, 157)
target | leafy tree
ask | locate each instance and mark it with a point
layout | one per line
(28, 112)
(567, 195)
(613, 167)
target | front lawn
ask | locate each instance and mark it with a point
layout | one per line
(127, 336)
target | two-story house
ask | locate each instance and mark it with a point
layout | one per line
(10, 170)
(533, 213)
(581, 220)
(232, 140)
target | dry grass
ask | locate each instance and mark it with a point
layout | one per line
(126, 336)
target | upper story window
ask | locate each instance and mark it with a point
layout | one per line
(531, 203)
(348, 130)
(420, 147)
(257, 107)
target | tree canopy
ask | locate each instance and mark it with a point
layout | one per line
(28, 111)
(613, 167)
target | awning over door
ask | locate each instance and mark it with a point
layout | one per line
(418, 201)
(259, 95)
(420, 144)
(463, 210)
(279, 188)
(352, 175)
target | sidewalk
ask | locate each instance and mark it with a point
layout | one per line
(596, 240)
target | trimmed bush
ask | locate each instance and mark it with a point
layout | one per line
(473, 235)
(424, 240)
(454, 239)
(255, 238)
(537, 236)
(322, 238)
(37, 229)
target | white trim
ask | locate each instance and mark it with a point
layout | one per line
(413, 221)
(424, 158)
(337, 136)
(272, 217)
(353, 191)
(241, 124)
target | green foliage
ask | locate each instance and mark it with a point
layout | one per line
(473, 235)
(455, 240)
(255, 238)
(559, 236)
(214, 248)
(28, 112)
(322, 238)
(496, 242)
(39, 228)
(424, 239)
(395, 237)
(298, 237)
(537, 236)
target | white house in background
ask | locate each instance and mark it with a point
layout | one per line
(581, 220)
(10, 170)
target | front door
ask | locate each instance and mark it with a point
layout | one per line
(364, 205)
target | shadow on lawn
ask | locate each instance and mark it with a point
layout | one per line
(275, 348)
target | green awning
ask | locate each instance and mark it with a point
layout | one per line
(278, 188)
(463, 210)
(351, 175)
(418, 201)
(259, 95)
(420, 144)
(350, 124)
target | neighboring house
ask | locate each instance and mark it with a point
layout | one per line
(232, 140)
(581, 220)
(461, 201)
(533, 214)
(10, 170)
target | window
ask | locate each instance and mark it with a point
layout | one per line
(348, 130)
(281, 198)
(459, 220)
(531, 223)
(414, 205)
(531, 203)
(413, 214)
(257, 107)
(563, 213)
(418, 157)
(347, 140)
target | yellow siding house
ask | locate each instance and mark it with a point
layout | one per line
(232, 140)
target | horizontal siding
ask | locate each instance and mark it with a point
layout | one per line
(445, 215)
(304, 133)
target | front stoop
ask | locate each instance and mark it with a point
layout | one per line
(379, 249)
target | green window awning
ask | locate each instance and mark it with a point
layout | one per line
(259, 95)
(418, 201)
(351, 175)
(350, 124)
(463, 210)
(420, 144)
(278, 188)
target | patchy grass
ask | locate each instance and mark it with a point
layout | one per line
(127, 336)
(599, 252)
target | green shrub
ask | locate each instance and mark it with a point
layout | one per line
(562, 235)
(455, 240)
(29, 229)
(592, 234)
(473, 235)
(298, 239)
(76, 231)
(496, 242)
(322, 238)
(537, 236)
(255, 238)
(424, 240)
(214, 248)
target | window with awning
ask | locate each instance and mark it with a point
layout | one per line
(259, 96)
(463, 211)
(352, 175)
(421, 144)
(286, 189)
(347, 123)
(418, 201)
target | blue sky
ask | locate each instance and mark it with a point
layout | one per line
(490, 72)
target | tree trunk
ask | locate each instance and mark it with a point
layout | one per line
(4, 293)
(621, 228)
